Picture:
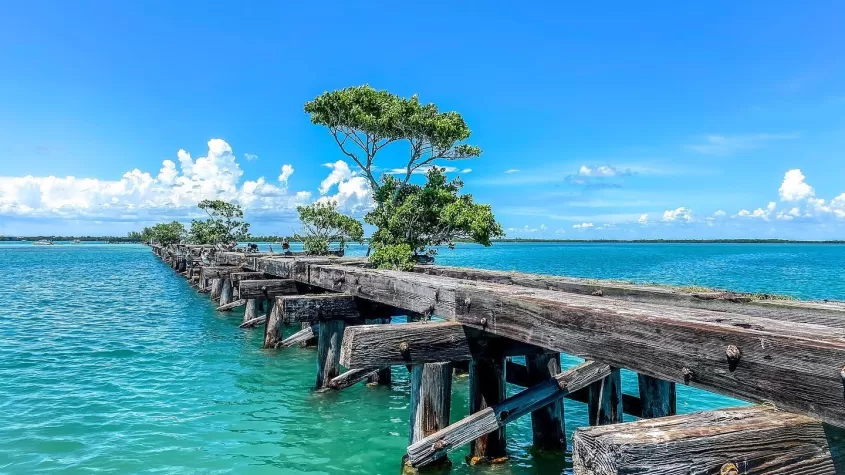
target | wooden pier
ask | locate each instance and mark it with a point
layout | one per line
(787, 356)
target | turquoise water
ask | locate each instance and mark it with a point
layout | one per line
(110, 363)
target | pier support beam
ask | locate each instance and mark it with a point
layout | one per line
(273, 324)
(605, 400)
(744, 441)
(226, 291)
(486, 389)
(657, 396)
(329, 339)
(382, 377)
(216, 288)
(250, 310)
(431, 403)
(547, 423)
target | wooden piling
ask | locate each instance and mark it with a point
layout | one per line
(226, 291)
(250, 310)
(657, 396)
(431, 402)
(329, 339)
(547, 423)
(486, 389)
(216, 288)
(382, 377)
(273, 324)
(605, 400)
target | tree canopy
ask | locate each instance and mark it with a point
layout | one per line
(432, 214)
(322, 224)
(164, 233)
(364, 120)
(224, 224)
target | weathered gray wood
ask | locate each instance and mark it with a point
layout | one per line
(267, 288)
(487, 389)
(225, 292)
(793, 365)
(273, 324)
(237, 277)
(657, 396)
(605, 403)
(231, 305)
(219, 272)
(423, 342)
(492, 418)
(251, 309)
(330, 335)
(352, 377)
(822, 313)
(307, 333)
(547, 423)
(216, 288)
(431, 401)
(253, 322)
(312, 308)
(517, 374)
(383, 376)
(754, 440)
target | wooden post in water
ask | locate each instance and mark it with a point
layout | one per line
(382, 377)
(605, 400)
(657, 396)
(312, 341)
(431, 404)
(216, 288)
(330, 337)
(547, 423)
(250, 310)
(487, 388)
(273, 325)
(226, 291)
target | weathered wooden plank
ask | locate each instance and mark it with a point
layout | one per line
(330, 335)
(231, 305)
(752, 440)
(657, 396)
(251, 309)
(226, 292)
(269, 288)
(822, 313)
(383, 376)
(273, 324)
(216, 288)
(237, 277)
(793, 365)
(547, 423)
(486, 390)
(605, 400)
(307, 333)
(253, 322)
(218, 272)
(422, 342)
(492, 418)
(352, 377)
(431, 401)
(319, 307)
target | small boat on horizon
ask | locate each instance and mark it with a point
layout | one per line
(76, 241)
(43, 242)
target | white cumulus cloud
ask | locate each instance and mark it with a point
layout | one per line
(583, 226)
(681, 214)
(794, 188)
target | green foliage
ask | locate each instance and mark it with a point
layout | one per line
(164, 233)
(224, 224)
(363, 120)
(432, 214)
(322, 224)
(393, 256)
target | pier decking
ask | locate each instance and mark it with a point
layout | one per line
(789, 356)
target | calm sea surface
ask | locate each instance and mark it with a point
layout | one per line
(110, 363)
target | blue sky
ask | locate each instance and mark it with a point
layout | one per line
(670, 120)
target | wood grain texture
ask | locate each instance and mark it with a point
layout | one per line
(352, 377)
(272, 325)
(605, 400)
(217, 272)
(796, 366)
(250, 309)
(226, 293)
(231, 305)
(822, 313)
(431, 399)
(492, 418)
(657, 396)
(757, 440)
(305, 334)
(382, 377)
(253, 322)
(330, 335)
(312, 308)
(216, 288)
(486, 390)
(547, 424)
(237, 277)
(266, 288)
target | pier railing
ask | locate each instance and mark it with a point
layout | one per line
(786, 355)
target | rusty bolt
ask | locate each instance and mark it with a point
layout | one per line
(688, 374)
(729, 469)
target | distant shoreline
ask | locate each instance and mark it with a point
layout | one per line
(116, 239)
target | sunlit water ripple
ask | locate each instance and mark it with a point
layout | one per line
(110, 363)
